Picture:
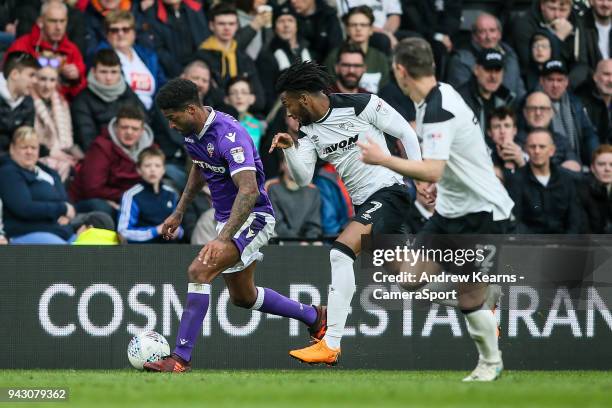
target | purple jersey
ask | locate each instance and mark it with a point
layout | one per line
(222, 149)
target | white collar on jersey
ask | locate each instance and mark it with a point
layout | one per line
(209, 120)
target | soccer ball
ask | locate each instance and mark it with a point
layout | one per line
(147, 347)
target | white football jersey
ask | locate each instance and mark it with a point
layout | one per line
(333, 138)
(451, 132)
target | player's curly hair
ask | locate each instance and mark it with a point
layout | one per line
(177, 94)
(304, 77)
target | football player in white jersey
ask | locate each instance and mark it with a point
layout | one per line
(470, 198)
(330, 128)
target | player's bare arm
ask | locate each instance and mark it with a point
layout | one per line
(241, 209)
(195, 183)
(427, 170)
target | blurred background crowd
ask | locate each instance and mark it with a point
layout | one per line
(86, 157)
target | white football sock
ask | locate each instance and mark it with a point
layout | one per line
(482, 327)
(340, 296)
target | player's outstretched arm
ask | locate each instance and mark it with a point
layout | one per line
(301, 160)
(383, 116)
(427, 170)
(171, 224)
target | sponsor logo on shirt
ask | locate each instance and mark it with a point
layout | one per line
(140, 82)
(204, 165)
(238, 154)
(343, 146)
(231, 136)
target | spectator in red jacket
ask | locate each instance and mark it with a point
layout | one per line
(49, 43)
(109, 167)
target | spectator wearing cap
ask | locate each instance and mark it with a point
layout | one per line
(285, 48)
(318, 25)
(359, 29)
(544, 194)
(221, 53)
(16, 105)
(255, 20)
(485, 90)
(596, 192)
(538, 114)
(350, 68)
(486, 34)
(596, 95)
(569, 119)
(48, 42)
(177, 28)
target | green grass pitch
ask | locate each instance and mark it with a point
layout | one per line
(315, 388)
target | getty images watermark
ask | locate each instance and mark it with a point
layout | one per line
(415, 267)
(401, 268)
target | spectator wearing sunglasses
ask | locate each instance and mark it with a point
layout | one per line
(140, 65)
(48, 38)
(95, 12)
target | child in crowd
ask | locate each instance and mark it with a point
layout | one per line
(145, 206)
(241, 97)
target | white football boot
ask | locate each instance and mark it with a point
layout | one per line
(486, 371)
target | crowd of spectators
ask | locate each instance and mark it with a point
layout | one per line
(86, 156)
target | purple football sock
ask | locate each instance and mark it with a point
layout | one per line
(190, 327)
(269, 301)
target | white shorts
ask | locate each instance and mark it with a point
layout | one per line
(252, 235)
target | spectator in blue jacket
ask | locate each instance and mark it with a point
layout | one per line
(94, 15)
(36, 207)
(336, 206)
(145, 206)
(140, 65)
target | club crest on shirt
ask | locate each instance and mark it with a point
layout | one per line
(238, 154)
(346, 126)
(210, 149)
(433, 138)
(382, 108)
